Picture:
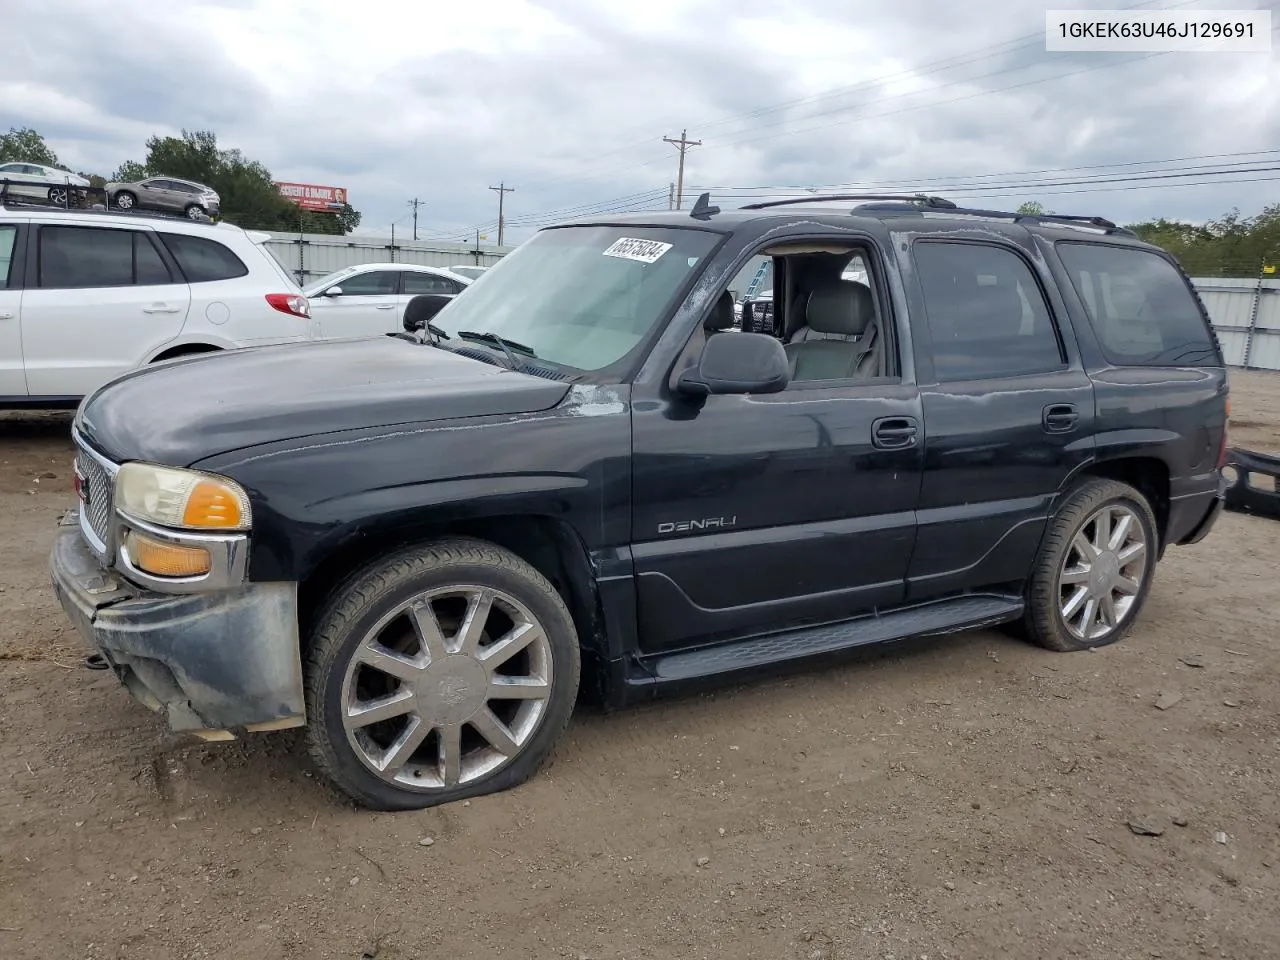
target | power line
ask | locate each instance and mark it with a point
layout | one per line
(1015, 173)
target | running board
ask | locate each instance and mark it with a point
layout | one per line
(938, 617)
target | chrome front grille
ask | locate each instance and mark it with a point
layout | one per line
(96, 496)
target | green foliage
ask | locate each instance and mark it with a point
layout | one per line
(1031, 209)
(26, 146)
(249, 198)
(1230, 246)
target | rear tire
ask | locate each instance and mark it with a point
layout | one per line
(125, 201)
(1094, 569)
(448, 670)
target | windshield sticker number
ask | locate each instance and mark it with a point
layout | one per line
(629, 248)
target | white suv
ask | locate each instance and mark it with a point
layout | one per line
(87, 296)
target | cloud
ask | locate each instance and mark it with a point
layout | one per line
(568, 100)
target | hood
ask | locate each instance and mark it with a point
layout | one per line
(184, 411)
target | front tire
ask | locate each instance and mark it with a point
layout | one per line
(449, 670)
(59, 196)
(194, 211)
(1094, 569)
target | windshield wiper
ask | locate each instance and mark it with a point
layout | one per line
(502, 343)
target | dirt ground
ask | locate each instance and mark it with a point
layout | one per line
(961, 798)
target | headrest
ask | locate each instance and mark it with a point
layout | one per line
(721, 317)
(840, 306)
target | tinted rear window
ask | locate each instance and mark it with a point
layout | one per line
(203, 260)
(1139, 305)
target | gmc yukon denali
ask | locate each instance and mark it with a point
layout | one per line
(421, 547)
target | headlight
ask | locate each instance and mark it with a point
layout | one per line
(181, 498)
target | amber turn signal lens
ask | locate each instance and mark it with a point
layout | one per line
(166, 559)
(212, 506)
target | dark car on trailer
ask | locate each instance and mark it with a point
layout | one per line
(417, 546)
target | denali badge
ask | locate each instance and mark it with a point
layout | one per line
(710, 523)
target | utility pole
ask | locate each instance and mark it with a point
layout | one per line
(671, 196)
(415, 203)
(502, 190)
(683, 144)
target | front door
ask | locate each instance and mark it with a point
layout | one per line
(1009, 408)
(751, 513)
(366, 307)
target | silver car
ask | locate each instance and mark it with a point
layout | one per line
(166, 194)
(36, 180)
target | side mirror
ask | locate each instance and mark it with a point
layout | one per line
(333, 292)
(422, 309)
(743, 363)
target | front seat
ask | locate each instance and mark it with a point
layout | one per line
(840, 337)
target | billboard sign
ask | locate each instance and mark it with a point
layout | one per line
(310, 196)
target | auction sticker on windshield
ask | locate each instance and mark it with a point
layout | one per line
(629, 248)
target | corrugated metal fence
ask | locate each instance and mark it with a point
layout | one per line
(310, 256)
(1246, 314)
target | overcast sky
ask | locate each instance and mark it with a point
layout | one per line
(568, 101)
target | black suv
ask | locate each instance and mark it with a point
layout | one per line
(416, 545)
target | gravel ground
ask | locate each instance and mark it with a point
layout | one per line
(968, 797)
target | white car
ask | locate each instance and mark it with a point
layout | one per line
(40, 182)
(87, 296)
(368, 300)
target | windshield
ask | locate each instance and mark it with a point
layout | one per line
(581, 297)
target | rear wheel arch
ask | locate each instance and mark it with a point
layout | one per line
(1149, 475)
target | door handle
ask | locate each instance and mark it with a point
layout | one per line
(1060, 418)
(160, 308)
(894, 433)
(6, 316)
(385, 306)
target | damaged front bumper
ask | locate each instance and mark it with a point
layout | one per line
(218, 664)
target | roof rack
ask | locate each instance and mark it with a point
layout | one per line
(1048, 219)
(916, 198)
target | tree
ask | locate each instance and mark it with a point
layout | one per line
(27, 146)
(1031, 209)
(249, 197)
(129, 172)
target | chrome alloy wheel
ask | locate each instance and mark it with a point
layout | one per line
(447, 688)
(1102, 572)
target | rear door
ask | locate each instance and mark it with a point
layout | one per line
(366, 307)
(98, 300)
(1008, 407)
(13, 382)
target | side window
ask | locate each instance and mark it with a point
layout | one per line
(149, 267)
(203, 260)
(77, 257)
(375, 283)
(1139, 306)
(987, 315)
(7, 237)
(418, 283)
